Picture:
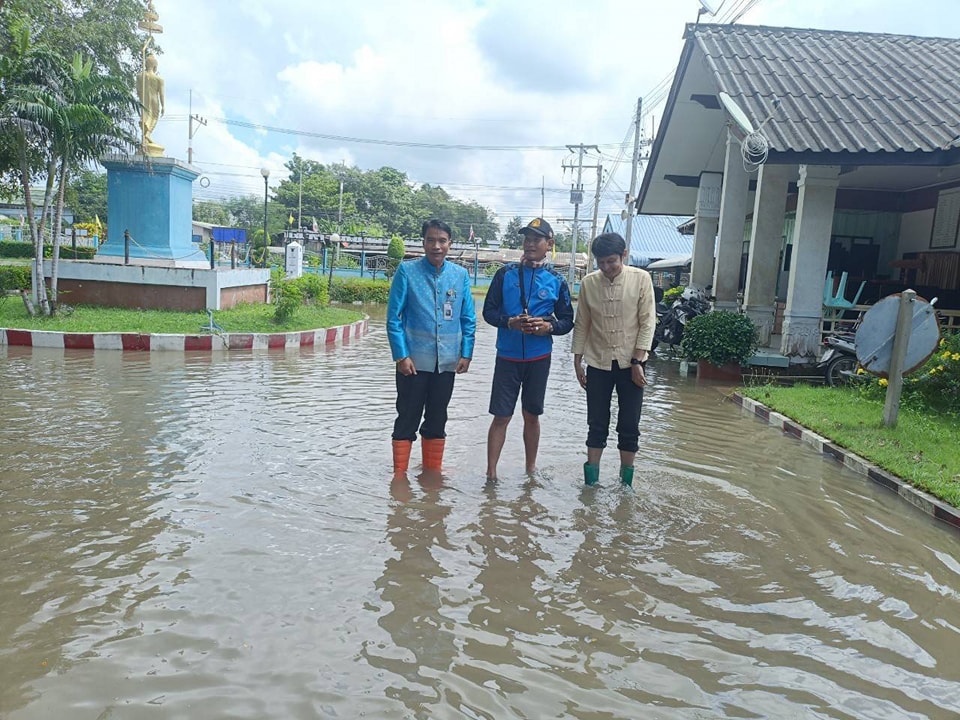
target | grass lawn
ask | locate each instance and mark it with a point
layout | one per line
(921, 449)
(243, 318)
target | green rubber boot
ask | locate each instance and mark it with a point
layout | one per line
(591, 473)
(626, 474)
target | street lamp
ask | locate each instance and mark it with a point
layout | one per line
(266, 176)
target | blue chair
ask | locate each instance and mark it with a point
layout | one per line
(836, 304)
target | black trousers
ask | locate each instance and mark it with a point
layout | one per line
(424, 395)
(600, 386)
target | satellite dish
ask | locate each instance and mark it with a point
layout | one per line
(736, 113)
(708, 6)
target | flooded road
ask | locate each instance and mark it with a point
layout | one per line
(195, 536)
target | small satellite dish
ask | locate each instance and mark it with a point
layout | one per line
(708, 6)
(736, 112)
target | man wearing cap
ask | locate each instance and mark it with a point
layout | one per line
(529, 303)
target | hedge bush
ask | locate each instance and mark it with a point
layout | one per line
(349, 290)
(719, 337)
(14, 249)
(14, 277)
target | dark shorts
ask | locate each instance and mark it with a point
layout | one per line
(526, 379)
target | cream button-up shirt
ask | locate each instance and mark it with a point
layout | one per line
(614, 318)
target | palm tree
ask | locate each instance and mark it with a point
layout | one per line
(93, 117)
(29, 78)
(56, 117)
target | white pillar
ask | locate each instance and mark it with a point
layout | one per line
(766, 239)
(733, 212)
(808, 264)
(705, 229)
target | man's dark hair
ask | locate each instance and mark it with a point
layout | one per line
(439, 225)
(608, 244)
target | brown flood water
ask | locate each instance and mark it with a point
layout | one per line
(186, 536)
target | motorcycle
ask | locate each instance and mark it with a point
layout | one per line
(839, 361)
(670, 324)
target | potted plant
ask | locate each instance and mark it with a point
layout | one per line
(721, 342)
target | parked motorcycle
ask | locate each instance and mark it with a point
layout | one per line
(839, 361)
(670, 324)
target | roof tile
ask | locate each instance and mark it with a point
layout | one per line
(839, 91)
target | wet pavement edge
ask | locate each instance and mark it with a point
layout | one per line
(925, 502)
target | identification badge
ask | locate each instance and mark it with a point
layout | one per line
(448, 310)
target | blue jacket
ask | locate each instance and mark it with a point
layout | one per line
(546, 294)
(430, 315)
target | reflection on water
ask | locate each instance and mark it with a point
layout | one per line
(217, 536)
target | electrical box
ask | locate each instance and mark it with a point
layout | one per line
(293, 260)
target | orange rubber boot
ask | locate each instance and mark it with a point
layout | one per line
(401, 456)
(433, 453)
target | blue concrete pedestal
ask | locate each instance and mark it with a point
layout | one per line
(152, 198)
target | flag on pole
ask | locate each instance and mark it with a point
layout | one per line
(314, 226)
(290, 219)
(471, 233)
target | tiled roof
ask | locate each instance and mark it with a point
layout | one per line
(653, 236)
(839, 91)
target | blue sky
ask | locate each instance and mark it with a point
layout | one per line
(530, 74)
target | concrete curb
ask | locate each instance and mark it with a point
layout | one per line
(182, 343)
(918, 498)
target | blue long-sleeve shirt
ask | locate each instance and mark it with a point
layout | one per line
(430, 315)
(541, 292)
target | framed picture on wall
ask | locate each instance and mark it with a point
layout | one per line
(946, 220)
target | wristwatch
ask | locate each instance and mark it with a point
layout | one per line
(634, 361)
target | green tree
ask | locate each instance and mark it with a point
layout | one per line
(55, 116)
(87, 195)
(215, 213)
(511, 236)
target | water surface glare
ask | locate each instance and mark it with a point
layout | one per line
(196, 536)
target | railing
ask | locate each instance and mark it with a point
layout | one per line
(949, 321)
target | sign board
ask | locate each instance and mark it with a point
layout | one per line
(576, 197)
(874, 339)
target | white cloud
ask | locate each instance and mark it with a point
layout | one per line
(453, 72)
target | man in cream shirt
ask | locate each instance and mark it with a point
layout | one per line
(613, 332)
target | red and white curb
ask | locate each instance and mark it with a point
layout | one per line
(925, 502)
(182, 343)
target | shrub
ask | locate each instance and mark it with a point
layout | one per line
(287, 296)
(935, 387)
(719, 337)
(396, 249)
(14, 249)
(314, 289)
(359, 290)
(14, 277)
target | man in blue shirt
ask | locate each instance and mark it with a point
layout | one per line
(529, 302)
(431, 325)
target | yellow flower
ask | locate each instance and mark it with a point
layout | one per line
(955, 356)
(883, 382)
(933, 371)
(861, 371)
(945, 355)
(943, 342)
(940, 368)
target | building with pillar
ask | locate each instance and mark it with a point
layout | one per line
(853, 168)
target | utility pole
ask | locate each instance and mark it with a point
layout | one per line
(300, 194)
(631, 198)
(596, 209)
(542, 192)
(576, 197)
(190, 131)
